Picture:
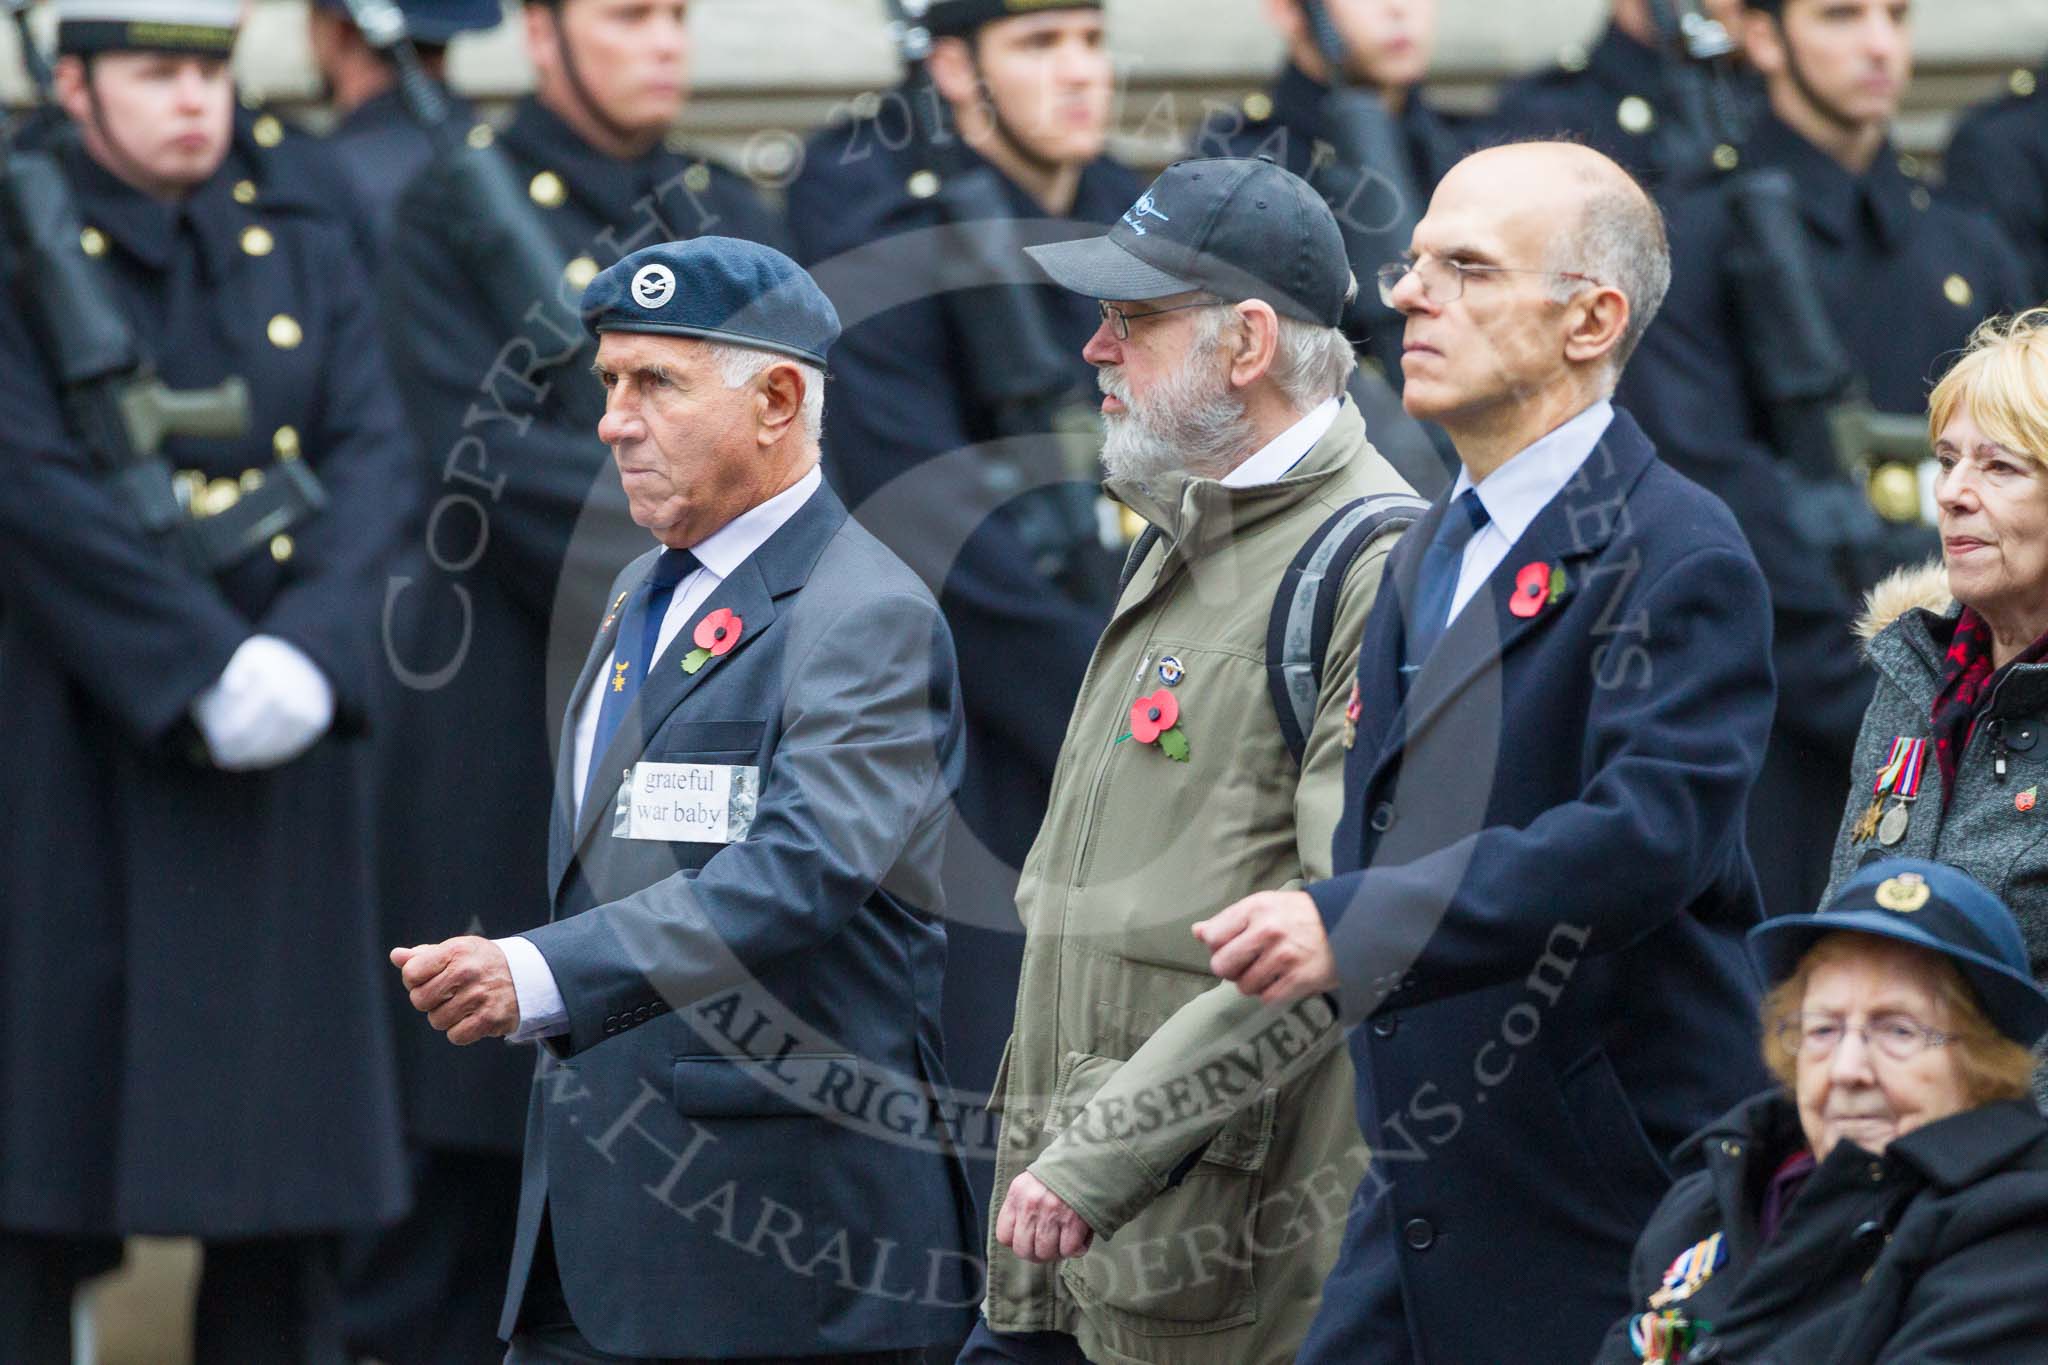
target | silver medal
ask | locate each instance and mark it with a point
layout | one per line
(1892, 828)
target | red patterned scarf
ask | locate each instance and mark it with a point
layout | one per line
(1967, 683)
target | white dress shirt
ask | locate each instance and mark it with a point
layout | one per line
(1284, 451)
(1513, 494)
(541, 1010)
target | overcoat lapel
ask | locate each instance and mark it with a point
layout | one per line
(1574, 527)
(564, 805)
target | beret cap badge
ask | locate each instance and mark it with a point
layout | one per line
(1904, 893)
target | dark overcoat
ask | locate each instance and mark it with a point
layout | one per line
(193, 1037)
(745, 1145)
(518, 493)
(1540, 897)
(1998, 160)
(1904, 278)
(1936, 1250)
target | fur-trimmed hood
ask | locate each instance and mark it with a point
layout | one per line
(1923, 585)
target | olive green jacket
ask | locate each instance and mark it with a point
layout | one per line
(1209, 1141)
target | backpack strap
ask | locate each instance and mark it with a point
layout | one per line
(1305, 608)
(1140, 547)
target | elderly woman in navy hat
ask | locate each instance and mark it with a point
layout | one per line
(1891, 1201)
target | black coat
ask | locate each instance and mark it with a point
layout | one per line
(902, 403)
(472, 619)
(1998, 160)
(375, 150)
(192, 982)
(1540, 895)
(1904, 278)
(1619, 99)
(1935, 1251)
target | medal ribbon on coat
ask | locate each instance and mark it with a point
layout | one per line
(1898, 778)
(1663, 1338)
(1693, 1268)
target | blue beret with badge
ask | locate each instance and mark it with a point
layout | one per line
(719, 289)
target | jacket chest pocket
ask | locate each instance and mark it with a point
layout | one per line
(1186, 1264)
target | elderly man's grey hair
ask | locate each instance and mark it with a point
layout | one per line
(739, 364)
(1620, 241)
(1311, 363)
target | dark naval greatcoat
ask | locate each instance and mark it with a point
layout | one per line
(471, 619)
(1904, 278)
(1998, 160)
(191, 982)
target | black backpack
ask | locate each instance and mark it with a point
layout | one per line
(1305, 608)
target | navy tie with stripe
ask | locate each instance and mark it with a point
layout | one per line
(1436, 579)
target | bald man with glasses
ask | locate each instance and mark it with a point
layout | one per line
(1542, 884)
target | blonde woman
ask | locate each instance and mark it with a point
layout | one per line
(1952, 762)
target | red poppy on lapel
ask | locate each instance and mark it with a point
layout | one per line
(1153, 716)
(1533, 589)
(715, 635)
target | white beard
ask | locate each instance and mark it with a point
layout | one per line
(1190, 422)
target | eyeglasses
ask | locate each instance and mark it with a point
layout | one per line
(1900, 1037)
(1120, 320)
(1443, 281)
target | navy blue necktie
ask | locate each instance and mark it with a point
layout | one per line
(1436, 579)
(633, 654)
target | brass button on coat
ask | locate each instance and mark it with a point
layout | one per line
(257, 241)
(92, 241)
(284, 332)
(267, 131)
(284, 443)
(580, 272)
(547, 190)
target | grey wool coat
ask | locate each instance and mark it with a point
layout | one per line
(1994, 825)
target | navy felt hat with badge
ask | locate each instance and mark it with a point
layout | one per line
(717, 289)
(1931, 906)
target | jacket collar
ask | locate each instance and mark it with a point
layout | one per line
(1913, 651)
(147, 228)
(1835, 202)
(1197, 516)
(1964, 1148)
(781, 566)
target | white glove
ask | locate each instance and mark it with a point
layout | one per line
(271, 704)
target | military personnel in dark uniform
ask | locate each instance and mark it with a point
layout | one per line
(1023, 629)
(1998, 160)
(1617, 96)
(196, 1041)
(1390, 47)
(376, 145)
(512, 463)
(1904, 278)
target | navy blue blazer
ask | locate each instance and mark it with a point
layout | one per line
(1540, 894)
(744, 1143)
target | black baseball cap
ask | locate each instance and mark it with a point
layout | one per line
(958, 18)
(1932, 906)
(1239, 228)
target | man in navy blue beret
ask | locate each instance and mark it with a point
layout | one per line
(735, 1152)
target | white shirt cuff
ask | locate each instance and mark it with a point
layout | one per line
(541, 1011)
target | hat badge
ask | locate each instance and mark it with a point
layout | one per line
(1904, 893)
(1146, 207)
(653, 285)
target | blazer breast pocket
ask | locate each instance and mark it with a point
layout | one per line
(708, 741)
